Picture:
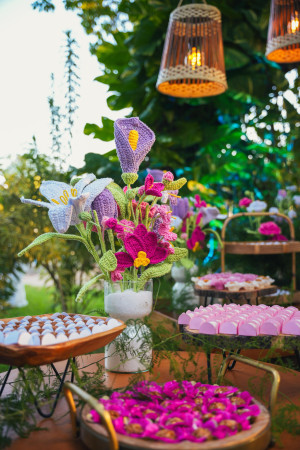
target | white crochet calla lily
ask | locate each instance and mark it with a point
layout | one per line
(66, 202)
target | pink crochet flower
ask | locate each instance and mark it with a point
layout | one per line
(194, 242)
(141, 250)
(245, 201)
(168, 176)
(151, 188)
(269, 229)
(199, 202)
(127, 227)
(116, 275)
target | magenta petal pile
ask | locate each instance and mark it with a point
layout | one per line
(180, 411)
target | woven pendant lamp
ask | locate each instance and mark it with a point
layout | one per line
(283, 44)
(193, 61)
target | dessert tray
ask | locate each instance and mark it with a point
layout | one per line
(188, 415)
(41, 342)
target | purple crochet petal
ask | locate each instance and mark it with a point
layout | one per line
(124, 261)
(130, 160)
(156, 173)
(160, 255)
(133, 244)
(105, 205)
(182, 207)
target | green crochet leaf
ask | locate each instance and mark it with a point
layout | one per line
(87, 285)
(153, 272)
(177, 255)
(119, 197)
(187, 263)
(47, 236)
(174, 185)
(129, 178)
(108, 262)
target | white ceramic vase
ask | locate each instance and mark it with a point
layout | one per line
(130, 352)
(183, 290)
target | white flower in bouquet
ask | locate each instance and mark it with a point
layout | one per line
(292, 214)
(296, 199)
(257, 206)
(292, 188)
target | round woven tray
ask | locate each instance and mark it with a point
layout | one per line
(237, 295)
(258, 437)
(262, 247)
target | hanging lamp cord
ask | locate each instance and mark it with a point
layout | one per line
(181, 1)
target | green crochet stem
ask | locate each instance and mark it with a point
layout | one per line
(99, 232)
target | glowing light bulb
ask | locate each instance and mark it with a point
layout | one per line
(294, 24)
(194, 58)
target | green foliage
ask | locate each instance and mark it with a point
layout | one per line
(158, 270)
(20, 222)
(87, 286)
(108, 261)
(205, 139)
(178, 254)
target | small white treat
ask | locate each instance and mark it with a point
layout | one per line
(90, 322)
(60, 329)
(61, 337)
(99, 328)
(64, 314)
(34, 339)
(55, 315)
(12, 321)
(27, 317)
(8, 329)
(43, 319)
(74, 335)
(80, 323)
(71, 327)
(24, 338)
(1, 322)
(113, 323)
(11, 338)
(1, 337)
(33, 328)
(100, 321)
(24, 321)
(84, 332)
(48, 327)
(48, 339)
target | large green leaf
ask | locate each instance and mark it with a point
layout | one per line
(47, 236)
(153, 272)
(87, 286)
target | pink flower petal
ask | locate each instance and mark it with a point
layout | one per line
(160, 255)
(134, 245)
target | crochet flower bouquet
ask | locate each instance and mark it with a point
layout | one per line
(134, 239)
(192, 219)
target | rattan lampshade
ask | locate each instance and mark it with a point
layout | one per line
(283, 44)
(193, 61)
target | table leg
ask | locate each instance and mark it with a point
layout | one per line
(61, 379)
(5, 379)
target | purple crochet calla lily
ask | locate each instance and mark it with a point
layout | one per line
(133, 141)
(209, 213)
(141, 250)
(182, 208)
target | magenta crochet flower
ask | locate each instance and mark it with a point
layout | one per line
(269, 229)
(151, 188)
(199, 202)
(197, 237)
(141, 250)
(245, 201)
(133, 141)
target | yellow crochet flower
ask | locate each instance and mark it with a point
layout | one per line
(141, 260)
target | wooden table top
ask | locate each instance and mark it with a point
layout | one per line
(57, 434)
